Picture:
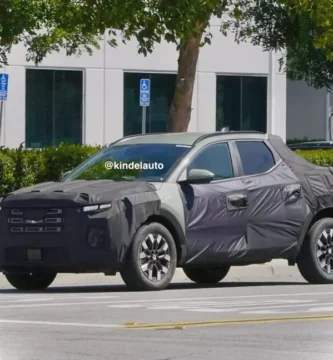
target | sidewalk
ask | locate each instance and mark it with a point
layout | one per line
(273, 271)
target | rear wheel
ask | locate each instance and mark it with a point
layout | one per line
(152, 259)
(205, 275)
(30, 282)
(315, 261)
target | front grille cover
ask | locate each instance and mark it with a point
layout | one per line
(31, 220)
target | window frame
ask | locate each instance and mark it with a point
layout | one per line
(84, 92)
(147, 75)
(193, 156)
(276, 159)
(241, 77)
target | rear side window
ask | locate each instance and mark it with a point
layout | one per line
(255, 156)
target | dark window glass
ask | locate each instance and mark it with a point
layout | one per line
(241, 103)
(255, 156)
(228, 107)
(54, 102)
(162, 87)
(254, 103)
(215, 158)
(149, 157)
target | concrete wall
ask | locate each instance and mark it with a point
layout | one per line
(103, 101)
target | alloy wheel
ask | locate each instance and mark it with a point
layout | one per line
(155, 257)
(324, 250)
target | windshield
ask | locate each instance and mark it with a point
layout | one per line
(144, 162)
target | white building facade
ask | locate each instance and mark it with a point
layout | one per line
(95, 99)
(308, 112)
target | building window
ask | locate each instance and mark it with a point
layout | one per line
(162, 87)
(241, 103)
(54, 107)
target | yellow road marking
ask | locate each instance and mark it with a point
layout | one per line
(181, 325)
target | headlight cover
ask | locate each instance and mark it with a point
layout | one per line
(91, 208)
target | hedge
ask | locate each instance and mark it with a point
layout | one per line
(24, 167)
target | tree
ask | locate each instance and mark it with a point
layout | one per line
(46, 26)
(301, 27)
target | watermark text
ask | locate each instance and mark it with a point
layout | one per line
(119, 165)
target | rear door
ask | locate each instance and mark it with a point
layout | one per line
(276, 209)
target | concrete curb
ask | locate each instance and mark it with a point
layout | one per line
(269, 271)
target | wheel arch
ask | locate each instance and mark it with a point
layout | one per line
(167, 219)
(311, 220)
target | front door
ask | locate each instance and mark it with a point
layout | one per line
(215, 212)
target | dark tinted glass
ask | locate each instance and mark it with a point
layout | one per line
(241, 102)
(161, 94)
(215, 158)
(255, 156)
(254, 103)
(228, 102)
(54, 101)
(154, 160)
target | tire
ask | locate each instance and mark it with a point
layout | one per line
(308, 261)
(30, 282)
(204, 275)
(132, 272)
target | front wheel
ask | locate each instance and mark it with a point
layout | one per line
(315, 261)
(152, 259)
(205, 275)
(30, 282)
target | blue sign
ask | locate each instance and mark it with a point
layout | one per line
(144, 92)
(3, 86)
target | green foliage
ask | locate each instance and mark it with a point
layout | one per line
(24, 167)
(45, 26)
(302, 28)
(318, 157)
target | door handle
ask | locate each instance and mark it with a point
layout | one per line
(292, 193)
(237, 201)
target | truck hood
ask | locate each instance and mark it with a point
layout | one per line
(75, 193)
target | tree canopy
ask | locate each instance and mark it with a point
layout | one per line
(301, 27)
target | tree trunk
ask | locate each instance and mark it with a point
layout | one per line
(181, 106)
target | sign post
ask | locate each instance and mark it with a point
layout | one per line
(144, 101)
(3, 96)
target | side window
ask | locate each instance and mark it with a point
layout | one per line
(255, 156)
(215, 158)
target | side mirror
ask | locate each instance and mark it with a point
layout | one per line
(65, 175)
(199, 176)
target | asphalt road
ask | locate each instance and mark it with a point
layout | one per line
(284, 318)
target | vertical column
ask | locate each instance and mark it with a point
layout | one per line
(14, 121)
(206, 101)
(277, 98)
(114, 105)
(270, 93)
(94, 105)
(193, 125)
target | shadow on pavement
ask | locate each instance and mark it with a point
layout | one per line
(175, 286)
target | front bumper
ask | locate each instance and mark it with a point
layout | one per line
(56, 240)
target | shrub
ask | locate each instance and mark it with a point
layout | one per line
(318, 157)
(24, 167)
